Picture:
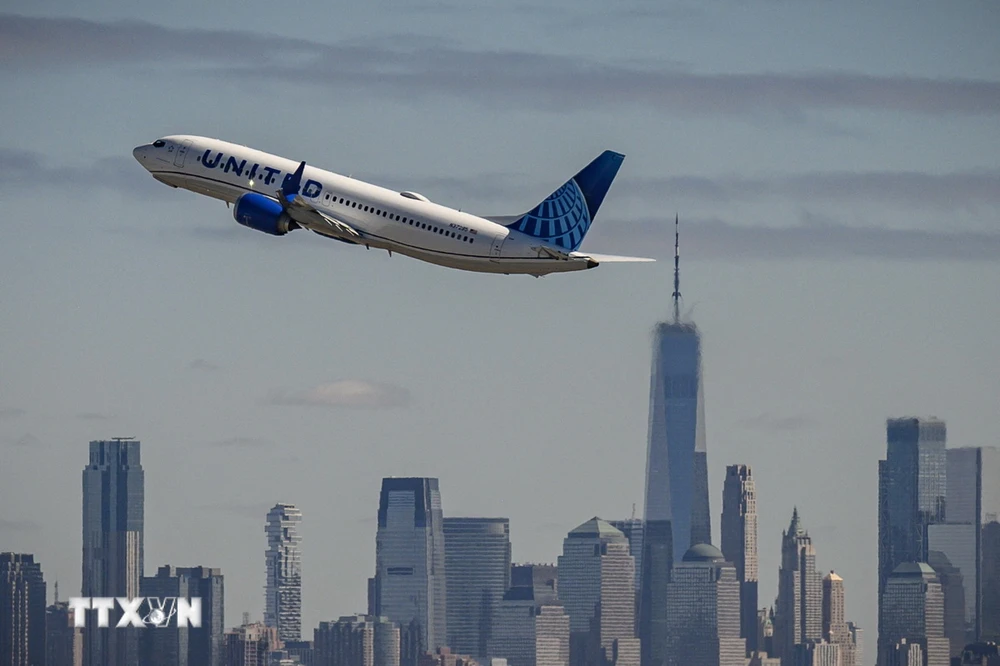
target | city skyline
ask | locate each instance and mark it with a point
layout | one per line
(836, 180)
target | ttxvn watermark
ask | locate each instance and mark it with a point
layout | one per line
(139, 612)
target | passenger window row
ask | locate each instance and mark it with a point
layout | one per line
(405, 220)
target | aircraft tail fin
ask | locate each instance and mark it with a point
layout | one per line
(565, 216)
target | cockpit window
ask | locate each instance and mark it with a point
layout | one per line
(159, 143)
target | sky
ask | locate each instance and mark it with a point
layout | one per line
(836, 169)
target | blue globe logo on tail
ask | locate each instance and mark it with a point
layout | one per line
(564, 218)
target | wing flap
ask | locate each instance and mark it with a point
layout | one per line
(308, 217)
(613, 258)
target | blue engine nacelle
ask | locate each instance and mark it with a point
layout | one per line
(262, 213)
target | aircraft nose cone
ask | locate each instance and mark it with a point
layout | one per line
(139, 153)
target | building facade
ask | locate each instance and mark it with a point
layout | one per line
(410, 581)
(250, 644)
(63, 640)
(531, 628)
(283, 561)
(477, 562)
(913, 604)
(739, 543)
(357, 640)
(597, 588)
(113, 518)
(912, 493)
(703, 611)
(22, 610)
(186, 646)
(799, 613)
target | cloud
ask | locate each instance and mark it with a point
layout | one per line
(95, 416)
(346, 393)
(18, 526)
(772, 423)
(242, 443)
(203, 365)
(11, 413)
(713, 238)
(27, 170)
(406, 66)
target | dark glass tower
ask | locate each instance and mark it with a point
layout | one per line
(477, 559)
(186, 646)
(113, 505)
(22, 610)
(410, 585)
(912, 486)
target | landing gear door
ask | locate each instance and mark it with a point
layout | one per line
(497, 247)
(182, 151)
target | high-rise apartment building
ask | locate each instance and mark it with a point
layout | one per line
(633, 530)
(477, 562)
(836, 630)
(63, 640)
(186, 646)
(912, 489)
(283, 559)
(410, 582)
(22, 610)
(799, 615)
(250, 644)
(913, 611)
(597, 588)
(113, 510)
(703, 611)
(357, 640)
(739, 543)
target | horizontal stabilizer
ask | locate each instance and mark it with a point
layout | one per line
(614, 258)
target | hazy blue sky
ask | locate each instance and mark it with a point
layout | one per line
(836, 168)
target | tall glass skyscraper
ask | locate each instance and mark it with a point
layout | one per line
(22, 610)
(912, 488)
(410, 584)
(972, 505)
(739, 543)
(113, 509)
(283, 591)
(477, 559)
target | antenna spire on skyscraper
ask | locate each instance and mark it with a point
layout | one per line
(677, 269)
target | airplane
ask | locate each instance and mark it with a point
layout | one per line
(276, 195)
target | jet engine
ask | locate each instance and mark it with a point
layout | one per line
(262, 213)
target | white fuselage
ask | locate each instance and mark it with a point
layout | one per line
(405, 222)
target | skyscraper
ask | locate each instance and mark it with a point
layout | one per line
(836, 630)
(531, 627)
(703, 611)
(677, 514)
(22, 610)
(972, 503)
(597, 588)
(913, 611)
(477, 562)
(410, 583)
(113, 509)
(357, 640)
(912, 483)
(283, 592)
(186, 646)
(799, 616)
(63, 640)
(739, 543)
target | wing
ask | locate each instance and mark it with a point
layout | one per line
(308, 217)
